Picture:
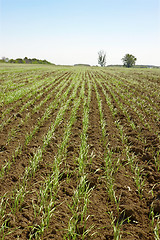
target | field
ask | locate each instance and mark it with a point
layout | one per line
(79, 153)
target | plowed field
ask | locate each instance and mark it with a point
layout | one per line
(79, 153)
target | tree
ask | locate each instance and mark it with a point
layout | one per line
(4, 59)
(102, 58)
(11, 60)
(19, 60)
(129, 60)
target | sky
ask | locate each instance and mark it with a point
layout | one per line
(69, 32)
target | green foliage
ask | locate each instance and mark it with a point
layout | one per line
(25, 60)
(102, 58)
(4, 60)
(129, 60)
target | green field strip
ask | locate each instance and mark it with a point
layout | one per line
(13, 96)
(28, 137)
(42, 84)
(35, 80)
(135, 98)
(144, 120)
(80, 200)
(34, 88)
(140, 179)
(24, 122)
(133, 126)
(61, 81)
(48, 137)
(97, 212)
(125, 109)
(142, 109)
(62, 149)
(118, 123)
(33, 100)
(37, 108)
(133, 95)
(112, 168)
(133, 161)
(136, 76)
(55, 104)
(10, 85)
(137, 171)
(133, 86)
(58, 161)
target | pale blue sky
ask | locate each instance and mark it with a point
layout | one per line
(73, 31)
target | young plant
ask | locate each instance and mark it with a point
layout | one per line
(157, 160)
(117, 225)
(140, 182)
(77, 223)
(155, 223)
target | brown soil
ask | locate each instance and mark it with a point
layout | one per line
(102, 213)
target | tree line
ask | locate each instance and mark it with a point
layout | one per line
(24, 60)
(128, 60)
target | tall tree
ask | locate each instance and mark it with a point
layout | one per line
(102, 58)
(129, 60)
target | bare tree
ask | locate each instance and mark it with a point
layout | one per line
(102, 58)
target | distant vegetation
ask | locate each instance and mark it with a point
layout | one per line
(82, 64)
(101, 62)
(136, 66)
(24, 60)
